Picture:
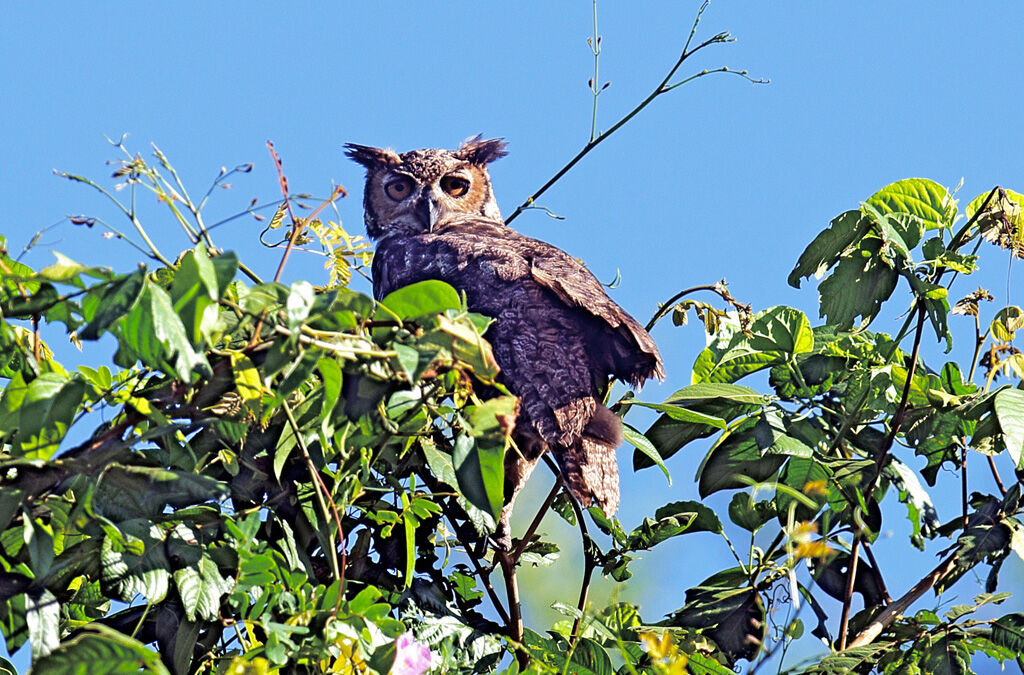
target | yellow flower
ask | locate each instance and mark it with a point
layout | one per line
(802, 532)
(663, 652)
(813, 549)
(816, 487)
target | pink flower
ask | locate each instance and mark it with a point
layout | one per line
(411, 657)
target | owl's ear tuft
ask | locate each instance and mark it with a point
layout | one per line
(476, 151)
(371, 157)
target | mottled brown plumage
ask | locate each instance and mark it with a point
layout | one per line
(557, 336)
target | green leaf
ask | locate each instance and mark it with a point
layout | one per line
(781, 329)
(126, 492)
(480, 471)
(1007, 322)
(681, 414)
(462, 340)
(116, 301)
(748, 514)
(716, 400)
(67, 271)
(493, 417)
(301, 297)
(45, 409)
(946, 657)
(153, 333)
(829, 246)
(194, 294)
(645, 447)
(42, 613)
(735, 360)
(1008, 631)
(976, 203)
(134, 561)
(920, 510)
(99, 649)
(735, 457)
(922, 198)
(858, 286)
(1009, 409)
(424, 297)
(201, 586)
(797, 474)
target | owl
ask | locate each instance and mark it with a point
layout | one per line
(556, 334)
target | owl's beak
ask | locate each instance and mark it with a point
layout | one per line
(426, 210)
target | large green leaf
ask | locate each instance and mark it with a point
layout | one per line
(134, 561)
(44, 409)
(42, 613)
(99, 649)
(976, 203)
(480, 471)
(734, 458)
(194, 294)
(716, 401)
(1009, 407)
(1008, 631)
(424, 297)
(153, 333)
(858, 286)
(201, 586)
(124, 492)
(781, 329)
(922, 198)
(102, 311)
(644, 446)
(734, 360)
(845, 230)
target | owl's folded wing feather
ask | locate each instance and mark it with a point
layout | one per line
(636, 357)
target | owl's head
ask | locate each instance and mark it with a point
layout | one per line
(420, 189)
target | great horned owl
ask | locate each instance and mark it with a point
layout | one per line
(557, 336)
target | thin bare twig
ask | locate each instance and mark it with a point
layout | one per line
(535, 523)
(663, 87)
(589, 564)
(995, 475)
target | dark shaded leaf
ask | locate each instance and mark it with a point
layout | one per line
(480, 470)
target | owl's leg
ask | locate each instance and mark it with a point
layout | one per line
(520, 462)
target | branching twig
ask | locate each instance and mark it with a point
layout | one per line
(525, 541)
(663, 87)
(589, 563)
(667, 306)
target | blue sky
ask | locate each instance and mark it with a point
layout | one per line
(718, 179)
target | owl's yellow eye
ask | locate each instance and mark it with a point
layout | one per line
(398, 189)
(456, 186)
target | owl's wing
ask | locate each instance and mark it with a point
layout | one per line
(633, 356)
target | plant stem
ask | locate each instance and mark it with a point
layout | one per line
(524, 542)
(894, 610)
(667, 306)
(662, 88)
(995, 474)
(883, 453)
(318, 484)
(589, 563)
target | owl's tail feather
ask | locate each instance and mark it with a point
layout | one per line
(589, 466)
